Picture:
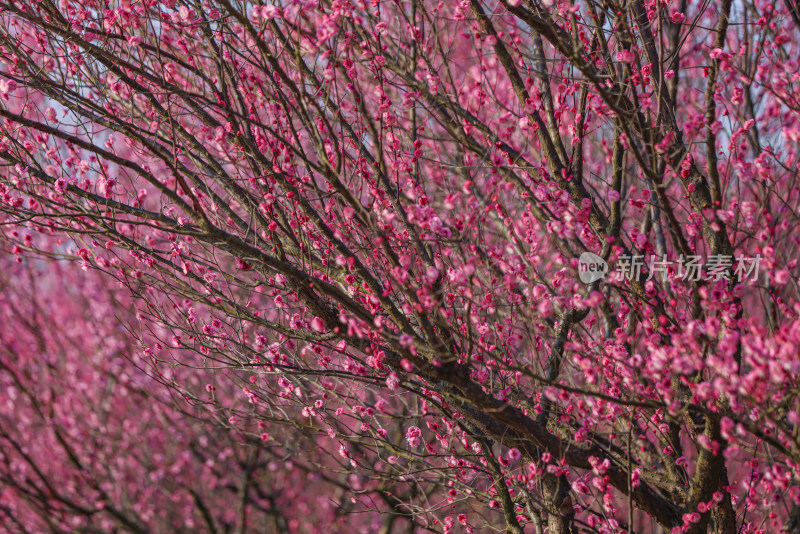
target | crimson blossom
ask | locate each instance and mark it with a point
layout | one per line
(476, 266)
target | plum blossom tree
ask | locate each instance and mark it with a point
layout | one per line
(348, 234)
(90, 441)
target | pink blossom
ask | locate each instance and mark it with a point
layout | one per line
(413, 434)
(626, 56)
